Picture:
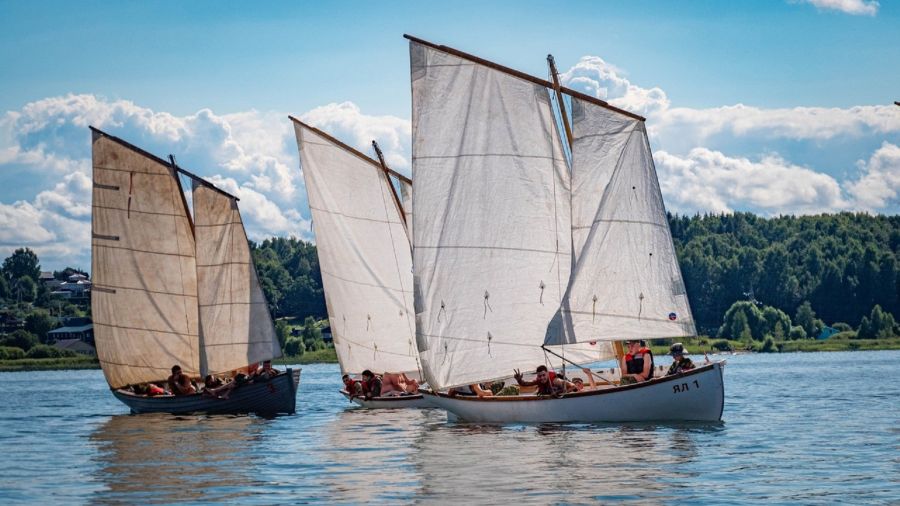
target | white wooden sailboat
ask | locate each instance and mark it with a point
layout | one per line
(172, 289)
(365, 259)
(520, 258)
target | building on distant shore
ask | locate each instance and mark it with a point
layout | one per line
(76, 345)
(84, 333)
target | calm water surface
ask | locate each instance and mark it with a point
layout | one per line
(808, 428)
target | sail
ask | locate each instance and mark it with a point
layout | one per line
(406, 202)
(144, 297)
(491, 231)
(626, 282)
(235, 326)
(364, 256)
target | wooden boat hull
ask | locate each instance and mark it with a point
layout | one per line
(417, 401)
(276, 396)
(698, 395)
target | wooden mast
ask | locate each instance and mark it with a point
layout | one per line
(353, 151)
(527, 77)
(559, 98)
(387, 174)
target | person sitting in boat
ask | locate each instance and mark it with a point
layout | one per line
(394, 384)
(547, 382)
(266, 372)
(579, 383)
(637, 364)
(354, 387)
(475, 389)
(180, 383)
(680, 363)
(371, 384)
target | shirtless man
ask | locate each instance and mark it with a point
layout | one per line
(393, 384)
(546, 383)
(179, 383)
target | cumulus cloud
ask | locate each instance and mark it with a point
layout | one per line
(707, 180)
(855, 7)
(252, 154)
(879, 183)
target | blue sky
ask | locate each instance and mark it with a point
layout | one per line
(776, 106)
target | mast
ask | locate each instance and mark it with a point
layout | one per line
(387, 173)
(523, 75)
(559, 99)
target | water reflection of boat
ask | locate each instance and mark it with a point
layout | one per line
(163, 459)
(546, 464)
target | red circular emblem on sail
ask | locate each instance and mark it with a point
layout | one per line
(673, 316)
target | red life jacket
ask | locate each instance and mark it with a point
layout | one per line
(635, 363)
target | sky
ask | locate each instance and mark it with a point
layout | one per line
(772, 106)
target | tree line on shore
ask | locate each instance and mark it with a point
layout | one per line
(748, 278)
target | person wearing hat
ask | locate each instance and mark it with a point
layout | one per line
(680, 363)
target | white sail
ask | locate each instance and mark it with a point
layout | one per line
(144, 297)
(626, 282)
(491, 231)
(235, 326)
(364, 256)
(406, 202)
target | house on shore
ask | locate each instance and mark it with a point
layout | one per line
(76, 345)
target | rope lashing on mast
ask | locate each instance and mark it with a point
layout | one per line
(487, 304)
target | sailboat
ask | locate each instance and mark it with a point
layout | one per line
(362, 239)
(522, 258)
(172, 287)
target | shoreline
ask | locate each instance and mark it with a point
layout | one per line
(328, 356)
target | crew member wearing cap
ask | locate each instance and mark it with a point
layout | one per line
(680, 362)
(637, 364)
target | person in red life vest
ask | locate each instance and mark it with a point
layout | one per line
(637, 364)
(547, 382)
(371, 384)
(354, 387)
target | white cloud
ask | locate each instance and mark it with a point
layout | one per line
(855, 7)
(879, 183)
(252, 154)
(346, 122)
(706, 180)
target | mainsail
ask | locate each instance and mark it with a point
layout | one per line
(491, 231)
(364, 255)
(235, 325)
(166, 291)
(626, 282)
(144, 297)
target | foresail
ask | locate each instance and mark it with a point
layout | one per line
(144, 297)
(364, 255)
(626, 282)
(491, 231)
(235, 325)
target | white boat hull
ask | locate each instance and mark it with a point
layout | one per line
(696, 395)
(276, 396)
(406, 401)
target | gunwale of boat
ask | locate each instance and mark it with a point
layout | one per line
(414, 401)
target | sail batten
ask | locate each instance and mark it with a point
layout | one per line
(364, 254)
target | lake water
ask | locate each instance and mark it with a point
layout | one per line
(808, 428)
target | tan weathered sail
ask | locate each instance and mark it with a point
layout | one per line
(364, 255)
(144, 297)
(235, 326)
